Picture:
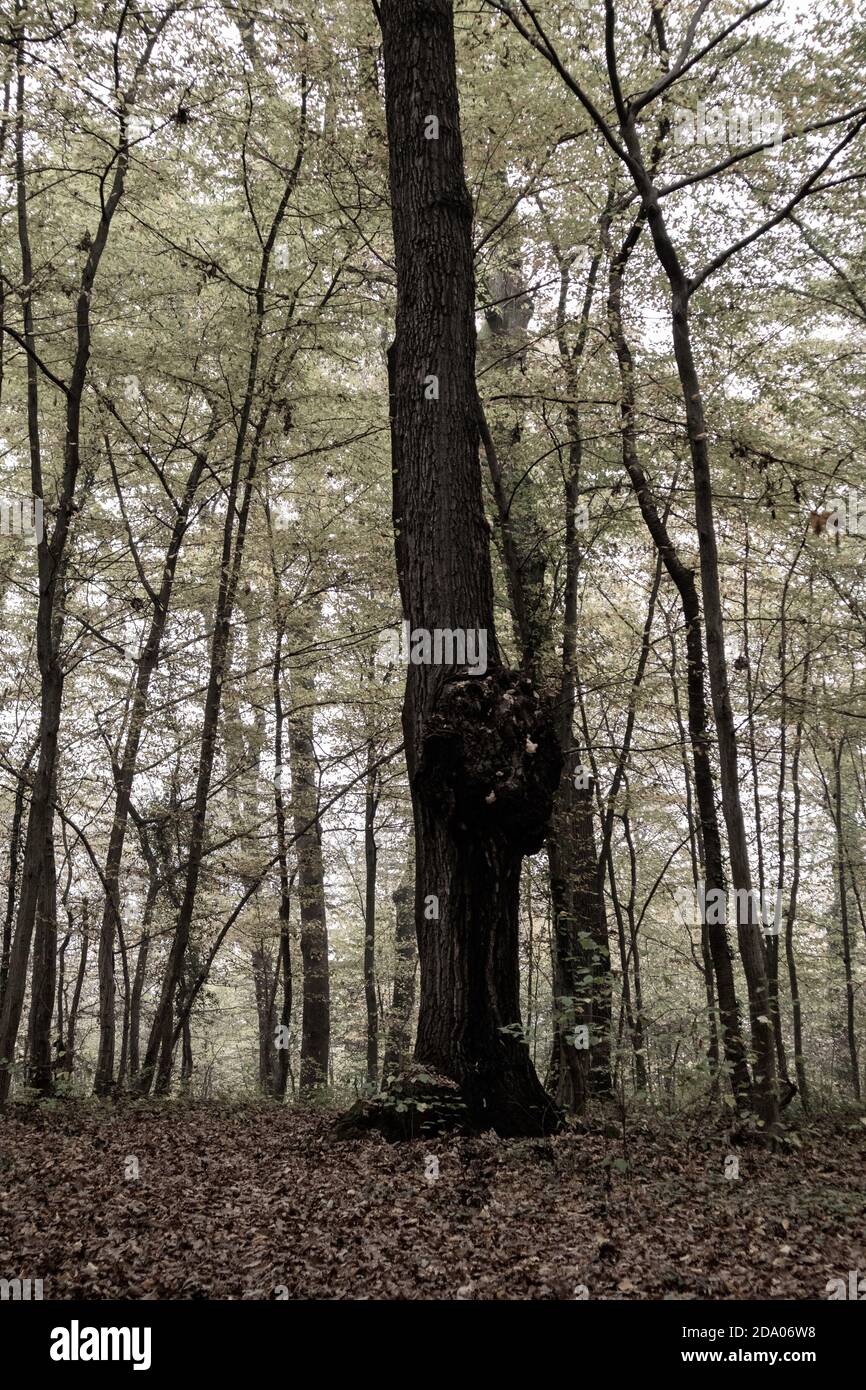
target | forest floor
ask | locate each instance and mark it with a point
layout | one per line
(196, 1200)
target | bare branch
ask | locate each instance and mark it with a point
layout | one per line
(805, 188)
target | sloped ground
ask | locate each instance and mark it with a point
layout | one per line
(255, 1201)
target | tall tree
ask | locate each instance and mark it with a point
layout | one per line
(580, 1062)
(38, 884)
(482, 752)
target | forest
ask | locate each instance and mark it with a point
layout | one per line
(433, 710)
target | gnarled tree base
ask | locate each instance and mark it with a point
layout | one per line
(419, 1104)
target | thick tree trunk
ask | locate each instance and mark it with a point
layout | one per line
(571, 960)
(581, 963)
(482, 754)
(583, 947)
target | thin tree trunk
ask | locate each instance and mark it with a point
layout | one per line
(316, 990)
(281, 1076)
(43, 978)
(265, 986)
(41, 798)
(282, 1061)
(790, 915)
(60, 994)
(841, 870)
(12, 882)
(772, 939)
(684, 580)
(158, 1057)
(124, 776)
(72, 1015)
(752, 951)
(4, 129)
(636, 1016)
(135, 1008)
(131, 1063)
(186, 1059)
(398, 1039)
(790, 918)
(51, 548)
(371, 801)
(696, 855)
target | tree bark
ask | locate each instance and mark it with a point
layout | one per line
(696, 856)
(482, 753)
(135, 1008)
(772, 941)
(156, 1068)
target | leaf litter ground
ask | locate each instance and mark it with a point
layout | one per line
(261, 1201)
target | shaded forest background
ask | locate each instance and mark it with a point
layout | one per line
(208, 857)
